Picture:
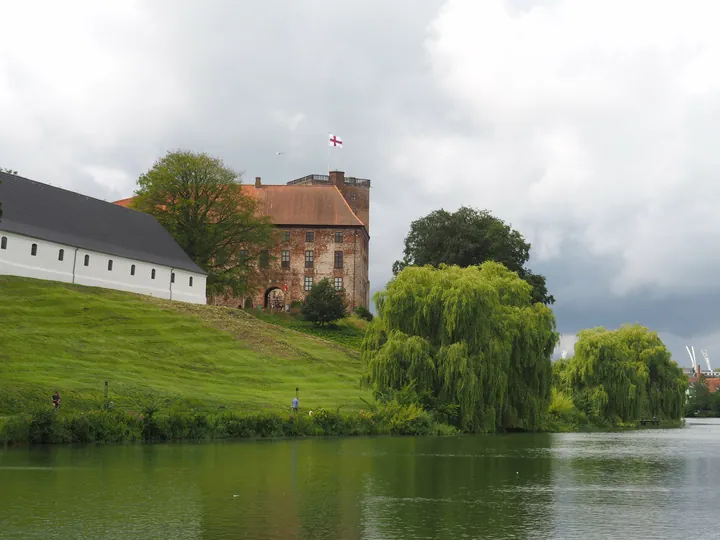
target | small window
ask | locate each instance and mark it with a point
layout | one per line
(286, 236)
(33, 250)
(87, 260)
(309, 236)
(354, 211)
(264, 259)
(338, 259)
(244, 254)
(172, 277)
(353, 196)
(285, 258)
(3, 242)
(338, 283)
(339, 238)
(132, 270)
(61, 255)
(110, 263)
(308, 283)
(190, 281)
(152, 274)
(309, 258)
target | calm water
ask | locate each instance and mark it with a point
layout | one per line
(649, 484)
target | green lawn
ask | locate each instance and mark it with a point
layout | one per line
(348, 332)
(71, 338)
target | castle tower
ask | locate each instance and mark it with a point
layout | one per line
(356, 192)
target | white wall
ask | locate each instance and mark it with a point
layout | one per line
(17, 260)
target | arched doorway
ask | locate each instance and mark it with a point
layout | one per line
(275, 299)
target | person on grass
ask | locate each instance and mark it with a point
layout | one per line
(56, 399)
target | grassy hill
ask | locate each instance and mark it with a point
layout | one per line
(348, 332)
(72, 338)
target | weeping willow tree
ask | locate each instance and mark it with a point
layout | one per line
(469, 340)
(622, 375)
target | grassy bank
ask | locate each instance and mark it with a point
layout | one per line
(45, 426)
(160, 354)
(348, 332)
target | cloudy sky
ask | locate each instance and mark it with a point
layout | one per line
(590, 126)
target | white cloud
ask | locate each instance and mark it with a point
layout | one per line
(592, 120)
(289, 121)
(82, 77)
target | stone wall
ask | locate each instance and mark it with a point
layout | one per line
(291, 280)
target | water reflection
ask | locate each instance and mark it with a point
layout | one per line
(650, 484)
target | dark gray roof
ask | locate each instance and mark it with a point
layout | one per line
(49, 213)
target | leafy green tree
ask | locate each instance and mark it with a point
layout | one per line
(466, 238)
(469, 341)
(623, 375)
(324, 304)
(200, 202)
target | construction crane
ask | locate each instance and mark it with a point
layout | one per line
(692, 357)
(707, 360)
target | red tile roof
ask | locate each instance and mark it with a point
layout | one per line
(302, 204)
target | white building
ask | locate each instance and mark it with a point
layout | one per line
(55, 234)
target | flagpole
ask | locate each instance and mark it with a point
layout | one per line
(328, 151)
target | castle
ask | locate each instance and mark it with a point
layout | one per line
(324, 223)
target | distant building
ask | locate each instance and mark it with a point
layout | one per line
(324, 222)
(54, 234)
(712, 378)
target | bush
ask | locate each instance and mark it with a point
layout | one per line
(102, 426)
(364, 313)
(324, 304)
(562, 413)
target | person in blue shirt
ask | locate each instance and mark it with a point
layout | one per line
(295, 404)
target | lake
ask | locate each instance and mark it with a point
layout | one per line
(641, 484)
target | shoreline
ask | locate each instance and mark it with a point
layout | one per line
(48, 427)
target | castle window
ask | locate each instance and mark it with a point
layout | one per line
(338, 259)
(338, 284)
(152, 274)
(309, 236)
(285, 258)
(244, 254)
(33, 250)
(264, 259)
(110, 263)
(190, 281)
(286, 236)
(309, 258)
(87, 260)
(338, 238)
(353, 196)
(61, 255)
(172, 277)
(308, 283)
(132, 270)
(3, 242)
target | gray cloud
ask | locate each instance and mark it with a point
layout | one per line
(599, 150)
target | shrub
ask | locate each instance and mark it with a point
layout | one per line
(562, 413)
(324, 304)
(102, 426)
(364, 313)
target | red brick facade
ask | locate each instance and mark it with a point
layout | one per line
(324, 223)
(306, 255)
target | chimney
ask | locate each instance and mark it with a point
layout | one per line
(337, 178)
(697, 369)
(257, 181)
